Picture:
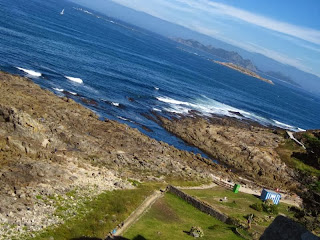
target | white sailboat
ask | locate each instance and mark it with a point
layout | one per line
(62, 12)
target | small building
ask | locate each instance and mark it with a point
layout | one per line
(268, 194)
(236, 188)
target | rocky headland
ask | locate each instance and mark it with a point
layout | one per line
(246, 148)
(51, 146)
(244, 71)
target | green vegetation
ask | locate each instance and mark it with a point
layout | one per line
(312, 154)
(172, 218)
(239, 207)
(307, 165)
(266, 206)
(286, 151)
(183, 183)
(98, 216)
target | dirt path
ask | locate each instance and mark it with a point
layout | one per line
(147, 203)
(290, 134)
(199, 187)
(285, 198)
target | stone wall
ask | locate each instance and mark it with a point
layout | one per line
(199, 204)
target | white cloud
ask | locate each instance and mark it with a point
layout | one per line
(307, 34)
(207, 15)
(281, 57)
(222, 10)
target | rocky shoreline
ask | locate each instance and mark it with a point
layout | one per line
(55, 153)
(246, 147)
(51, 146)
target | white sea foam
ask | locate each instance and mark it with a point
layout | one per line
(59, 89)
(73, 93)
(156, 88)
(287, 126)
(77, 80)
(207, 106)
(156, 109)
(115, 104)
(173, 101)
(30, 72)
(282, 125)
(122, 118)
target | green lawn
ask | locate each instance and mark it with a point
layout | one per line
(171, 217)
(100, 215)
(237, 206)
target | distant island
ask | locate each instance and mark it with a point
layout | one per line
(243, 70)
(234, 58)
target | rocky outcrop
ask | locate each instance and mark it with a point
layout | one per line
(243, 70)
(247, 148)
(231, 56)
(51, 146)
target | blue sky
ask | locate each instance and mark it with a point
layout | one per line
(287, 31)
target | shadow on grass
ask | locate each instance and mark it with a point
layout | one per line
(86, 238)
(111, 238)
(139, 237)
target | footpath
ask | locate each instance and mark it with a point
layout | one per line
(149, 201)
(135, 216)
(294, 200)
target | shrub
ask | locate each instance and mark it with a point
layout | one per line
(269, 207)
(266, 206)
(257, 206)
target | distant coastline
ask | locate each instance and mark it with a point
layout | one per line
(243, 70)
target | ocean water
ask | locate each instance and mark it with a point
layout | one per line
(126, 72)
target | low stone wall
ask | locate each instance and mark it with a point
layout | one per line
(203, 207)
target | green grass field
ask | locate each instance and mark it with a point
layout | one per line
(238, 206)
(100, 215)
(171, 217)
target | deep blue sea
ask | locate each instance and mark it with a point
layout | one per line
(126, 72)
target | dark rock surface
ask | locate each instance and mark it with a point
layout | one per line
(283, 228)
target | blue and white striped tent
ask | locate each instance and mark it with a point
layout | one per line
(268, 194)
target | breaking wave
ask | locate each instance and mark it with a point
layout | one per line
(73, 79)
(58, 89)
(207, 107)
(115, 104)
(30, 72)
